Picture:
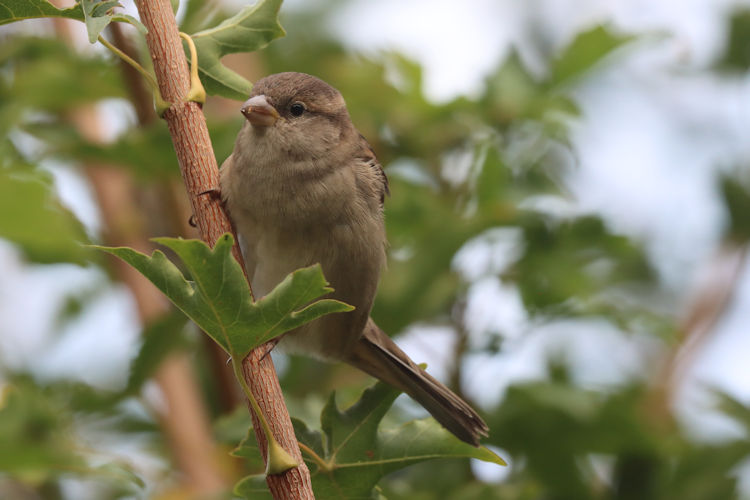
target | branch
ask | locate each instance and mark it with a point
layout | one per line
(710, 301)
(200, 173)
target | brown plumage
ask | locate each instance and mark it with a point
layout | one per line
(302, 186)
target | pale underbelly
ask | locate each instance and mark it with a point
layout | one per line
(354, 281)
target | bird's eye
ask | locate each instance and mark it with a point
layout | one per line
(297, 109)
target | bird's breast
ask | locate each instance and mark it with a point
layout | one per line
(290, 219)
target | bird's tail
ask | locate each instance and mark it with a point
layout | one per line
(377, 355)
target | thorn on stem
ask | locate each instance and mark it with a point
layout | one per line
(268, 346)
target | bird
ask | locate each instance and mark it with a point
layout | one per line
(303, 186)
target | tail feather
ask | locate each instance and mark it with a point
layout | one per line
(377, 355)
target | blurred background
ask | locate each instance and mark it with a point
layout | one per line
(568, 227)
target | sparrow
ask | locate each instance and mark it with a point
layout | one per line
(303, 186)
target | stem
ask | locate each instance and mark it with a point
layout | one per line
(161, 104)
(458, 315)
(122, 55)
(322, 464)
(711, 300)
(278, 459)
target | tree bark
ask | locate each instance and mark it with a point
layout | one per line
(200, 173)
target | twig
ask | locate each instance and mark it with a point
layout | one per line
(711, 300)
(458, 317)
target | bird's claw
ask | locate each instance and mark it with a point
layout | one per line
(213, 192)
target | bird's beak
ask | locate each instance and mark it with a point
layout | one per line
(258, 111)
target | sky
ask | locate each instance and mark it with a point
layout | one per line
(653, 132)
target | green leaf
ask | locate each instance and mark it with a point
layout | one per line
(493, 180)
(252, 487)
(737, 53)
(18, 10)
(250, 29)
(44, 230)
(40, 443)
(588, 49)
(47, 74)
(231, 428)
(120, 475)
(732, 407)
(35, 433)
(735, 190)
(512, 92)
(357, 453)
(248, 449)
(567, 264)
(312, 438)
(99, 13)
(218, 297)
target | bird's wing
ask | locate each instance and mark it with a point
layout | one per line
(368, 156)
(246, 245)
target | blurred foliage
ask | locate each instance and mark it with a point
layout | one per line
(43, 230)
(583, 53)
(459, 170)
(737, 51)
(735, 191)
(34, 433)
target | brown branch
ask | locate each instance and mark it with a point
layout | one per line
(199, 170)
(455, 371)
(709, 303)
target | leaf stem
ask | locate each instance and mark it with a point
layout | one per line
(160, 103)
(322, 464)
(278, 459)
